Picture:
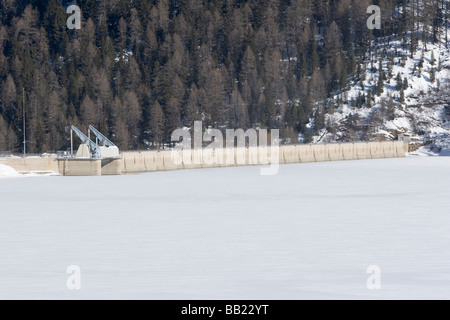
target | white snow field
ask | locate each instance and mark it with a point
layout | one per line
(309, 232)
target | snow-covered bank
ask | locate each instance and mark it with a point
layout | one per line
(309, 232)
(7, 172)
(426, 152)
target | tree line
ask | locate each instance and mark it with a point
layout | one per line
(139, 69)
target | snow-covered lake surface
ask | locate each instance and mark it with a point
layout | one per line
(309, 232)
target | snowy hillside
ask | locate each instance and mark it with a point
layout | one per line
(415, 99)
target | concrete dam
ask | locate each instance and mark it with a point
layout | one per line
(164, 160)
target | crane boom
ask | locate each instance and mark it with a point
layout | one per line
(94, 147)
(103, 140)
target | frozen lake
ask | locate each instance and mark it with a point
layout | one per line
(309, 232)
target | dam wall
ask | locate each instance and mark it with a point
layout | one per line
(32, 164)
(165, 160)
(147, 161)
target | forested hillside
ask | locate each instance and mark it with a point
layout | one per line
(139, 69)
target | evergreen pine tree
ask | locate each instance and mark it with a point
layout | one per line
(399, 82)
(405, 83)
(421, 61)
(380, 83)
(432, 75)
(402, 96)
(390, 108)
(369, 99)
(390, 66)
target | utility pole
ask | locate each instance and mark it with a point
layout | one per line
(24, 125)
(71, 143)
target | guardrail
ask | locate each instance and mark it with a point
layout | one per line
(7, 154)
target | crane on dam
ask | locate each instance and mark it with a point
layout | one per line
(107, 148)
(104, 141)
(102, 148)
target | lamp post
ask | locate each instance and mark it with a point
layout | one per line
(24, 125)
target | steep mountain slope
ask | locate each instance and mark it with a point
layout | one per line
(413, 98)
